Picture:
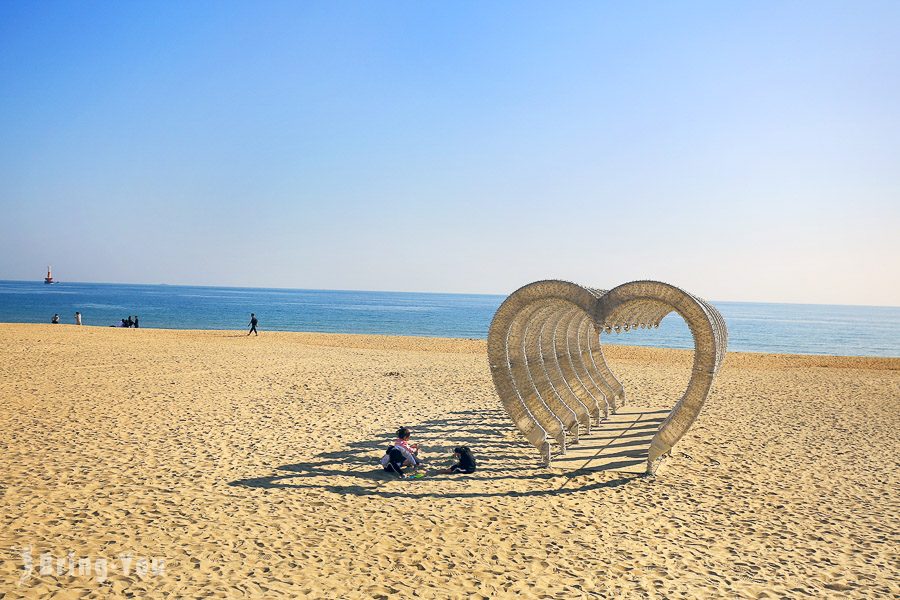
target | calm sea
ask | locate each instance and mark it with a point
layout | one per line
(753, 327)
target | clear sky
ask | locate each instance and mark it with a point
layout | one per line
(743, 151)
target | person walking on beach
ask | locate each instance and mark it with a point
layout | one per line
(78, 318)
(253, 322)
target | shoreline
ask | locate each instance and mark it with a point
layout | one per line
(480, 345)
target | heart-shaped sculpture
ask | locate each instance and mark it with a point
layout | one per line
(548, 367)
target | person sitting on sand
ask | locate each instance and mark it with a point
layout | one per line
(402, 441)
(465, 462)
(55, 319)
(396, 459)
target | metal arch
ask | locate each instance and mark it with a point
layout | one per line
(548, 367)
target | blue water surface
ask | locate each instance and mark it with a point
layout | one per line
(753, 327)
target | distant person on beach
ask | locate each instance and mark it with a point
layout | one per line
(253, 322)
(78, 318)
(124, 323)
(465, 462)
(55, 319)
(129, 322)
(136, 322)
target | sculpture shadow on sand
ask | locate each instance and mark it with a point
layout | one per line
(505, 461)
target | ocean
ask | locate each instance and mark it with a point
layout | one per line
(752, 327)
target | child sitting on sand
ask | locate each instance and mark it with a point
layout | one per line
(401, 454)
(396, 459)
(402, 441)
(465, 462)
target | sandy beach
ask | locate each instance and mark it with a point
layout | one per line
(225, 466)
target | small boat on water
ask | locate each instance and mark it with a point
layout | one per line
(49, 278)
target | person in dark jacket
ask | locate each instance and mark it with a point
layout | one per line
(396, 459)
(465, 462)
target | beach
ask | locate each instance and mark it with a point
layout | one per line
(220, 465)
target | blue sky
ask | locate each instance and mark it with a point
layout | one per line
(744, 151)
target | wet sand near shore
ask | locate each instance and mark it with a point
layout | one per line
(247, 467)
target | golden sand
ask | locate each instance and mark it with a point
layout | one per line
(249, 465)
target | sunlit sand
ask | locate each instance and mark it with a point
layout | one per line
(249, 466)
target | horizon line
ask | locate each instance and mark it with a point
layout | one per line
(295, 289)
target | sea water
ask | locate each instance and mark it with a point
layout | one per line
(752, 327)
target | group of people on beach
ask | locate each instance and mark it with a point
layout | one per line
(135, 322)
(55, 318)
(130, 322)
(402, 458)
